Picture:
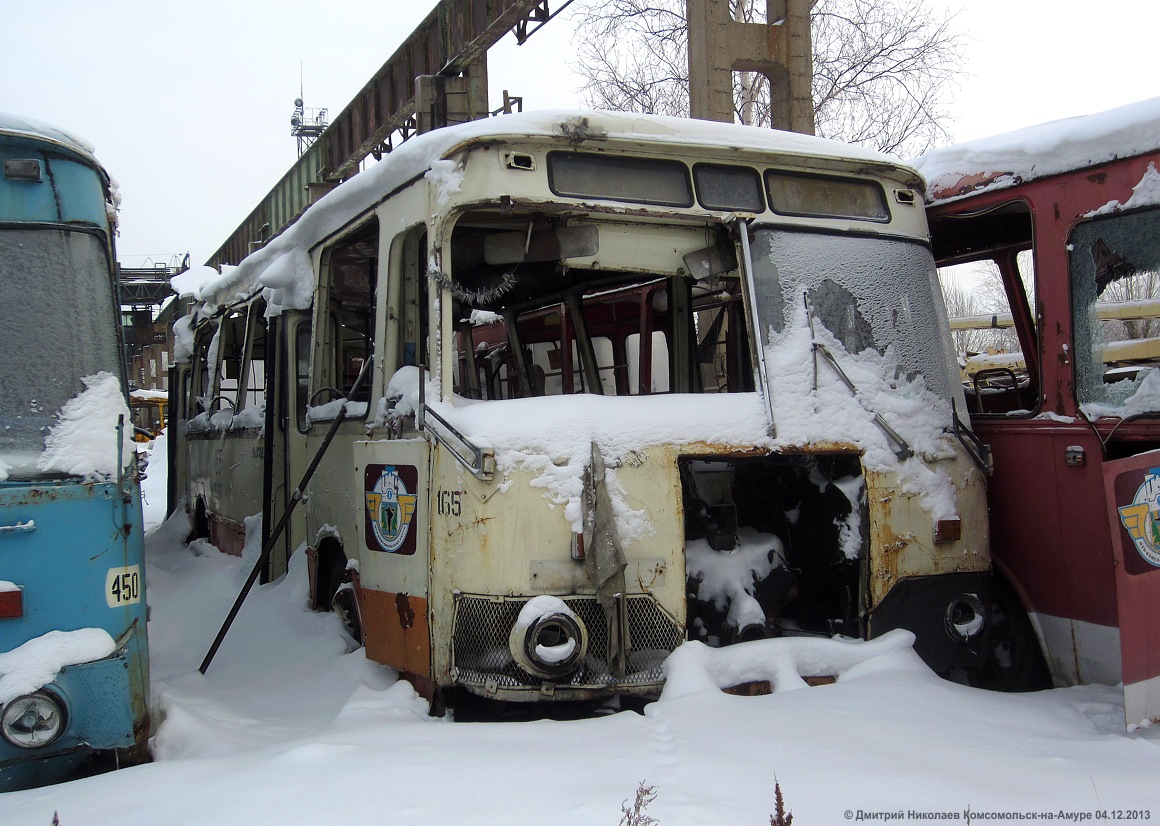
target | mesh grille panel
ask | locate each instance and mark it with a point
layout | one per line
(482, 626)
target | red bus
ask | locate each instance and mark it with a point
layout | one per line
(1060, 224)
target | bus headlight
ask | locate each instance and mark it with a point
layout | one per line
(548, 639)
(965, 618)
(33, 720)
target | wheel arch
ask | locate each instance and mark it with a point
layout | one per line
(328, 570)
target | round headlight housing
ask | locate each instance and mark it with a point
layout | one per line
(548, 640)
(965, 618)
(33, 721)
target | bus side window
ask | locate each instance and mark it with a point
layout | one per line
(198, 399)
(657, 380)
(414, 294)
(302, 373)
(721, 357)
(231, 355)
(402, 330)
(350, 273)
(618, 322)
(988, 283)
(255, 369)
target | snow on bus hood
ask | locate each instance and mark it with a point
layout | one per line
(36, 663)
(1039, 151)
(282, 268)
(551, 437)
(833, 413)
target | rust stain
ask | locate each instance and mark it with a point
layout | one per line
(656, 572)
(819, 448)
(758, 688)
(972, 183)
(476, 528)
(406, 612)
(387, 640)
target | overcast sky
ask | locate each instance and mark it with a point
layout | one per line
(188, 104)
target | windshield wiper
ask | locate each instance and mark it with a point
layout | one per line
(901, 448)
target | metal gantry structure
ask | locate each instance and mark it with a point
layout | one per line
(147, 315)
(438, 76)
(139, 287)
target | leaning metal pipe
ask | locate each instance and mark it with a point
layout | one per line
(295, 498)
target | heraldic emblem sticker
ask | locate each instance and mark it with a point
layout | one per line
(1141, 519)
(389, 493)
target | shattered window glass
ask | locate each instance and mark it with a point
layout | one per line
(869, 293)
(1115, 275)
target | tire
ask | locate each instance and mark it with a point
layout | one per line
(1012, 659)
(200, 527)
(344, 603)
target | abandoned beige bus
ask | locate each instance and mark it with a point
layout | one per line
(605, 383)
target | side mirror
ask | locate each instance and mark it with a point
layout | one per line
(710, 261)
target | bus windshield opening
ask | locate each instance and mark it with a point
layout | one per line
(57, 317)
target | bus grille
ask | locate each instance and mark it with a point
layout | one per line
(480, 655)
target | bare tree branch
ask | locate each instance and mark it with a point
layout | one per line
(882, 68)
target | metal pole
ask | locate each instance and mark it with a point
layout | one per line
(295, 498)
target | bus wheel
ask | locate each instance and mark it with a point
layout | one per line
(200, 527)
(345, 606)
(1012, 659)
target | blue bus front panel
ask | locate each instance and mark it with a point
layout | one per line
(76, 553)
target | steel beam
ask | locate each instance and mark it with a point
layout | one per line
(451, 40)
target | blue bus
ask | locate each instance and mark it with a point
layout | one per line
(73, 649)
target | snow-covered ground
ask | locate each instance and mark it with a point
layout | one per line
(291, 726)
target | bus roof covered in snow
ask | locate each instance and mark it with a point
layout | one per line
(279, 264)
(1040, 151)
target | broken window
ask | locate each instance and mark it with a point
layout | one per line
(231, 353)
(202, 376)
(229, 372)
(253, 394)
(988, 285)
(346, 327)
(1114, 263)
(870, 293)
(542, 309)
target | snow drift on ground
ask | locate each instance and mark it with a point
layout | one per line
(292, 725)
